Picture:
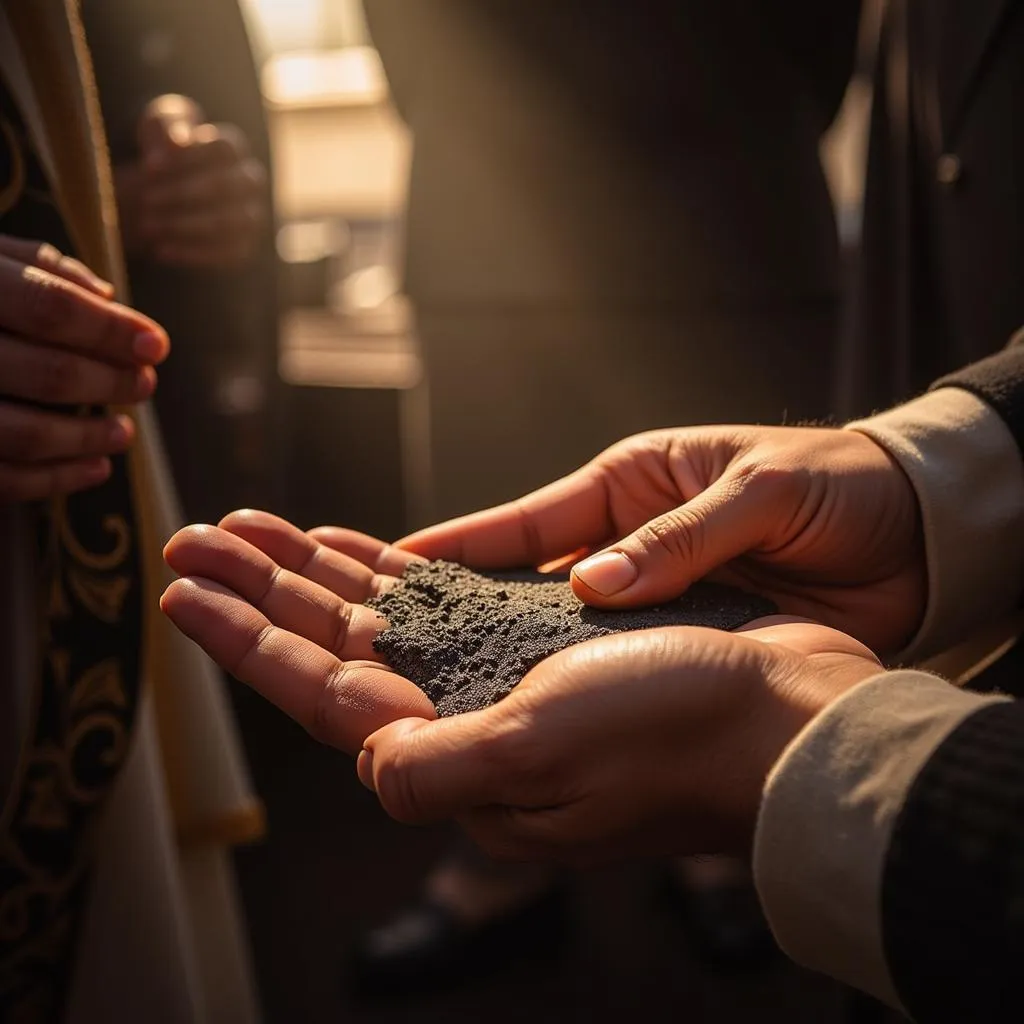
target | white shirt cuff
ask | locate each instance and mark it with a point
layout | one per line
(969, 477)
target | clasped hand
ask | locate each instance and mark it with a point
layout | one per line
(64, 345)
(653, 741)
(196, 197)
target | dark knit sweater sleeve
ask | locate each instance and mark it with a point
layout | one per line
(953, 885)
(999, 381)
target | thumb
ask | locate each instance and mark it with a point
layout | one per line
(425, 771)
(658, 561)
(166, 125)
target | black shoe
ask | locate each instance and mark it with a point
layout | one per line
(426, 946)
(724, 921)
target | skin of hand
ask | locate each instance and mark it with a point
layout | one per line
(195, 197)
(656, 741)
(64, 342)
(822, 521)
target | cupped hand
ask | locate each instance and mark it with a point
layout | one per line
(287, 615)
(822, 521)
(65, 343)
(656, 742)
(196, 197)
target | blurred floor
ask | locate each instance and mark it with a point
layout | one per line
(334, 863)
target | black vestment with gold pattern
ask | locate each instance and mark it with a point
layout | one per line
(85, 690)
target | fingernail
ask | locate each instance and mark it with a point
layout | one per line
(149, 347)
(364, 769)
(607, 573)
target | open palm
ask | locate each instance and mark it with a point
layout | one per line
(286, 614)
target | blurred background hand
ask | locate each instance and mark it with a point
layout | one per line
(195, 197)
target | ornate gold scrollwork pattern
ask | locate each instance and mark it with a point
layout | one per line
(101, 561)
(86, 688)
(81, 737)
(102, 595)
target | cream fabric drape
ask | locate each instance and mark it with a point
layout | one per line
(164, 939)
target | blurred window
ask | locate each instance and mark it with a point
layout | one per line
(281, 25)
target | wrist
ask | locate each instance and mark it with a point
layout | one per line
(796, 691)
(949, 444)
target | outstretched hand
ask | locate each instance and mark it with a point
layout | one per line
(652, 741)
(822, 521)
(286, 614)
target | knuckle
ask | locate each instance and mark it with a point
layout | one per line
(342, 626)
(48, 301)
(767, 481)
(679, 534)
(324, 712)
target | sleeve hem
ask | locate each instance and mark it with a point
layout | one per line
(966, 469)
(827, 816)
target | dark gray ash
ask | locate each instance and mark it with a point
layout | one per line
(467, 638)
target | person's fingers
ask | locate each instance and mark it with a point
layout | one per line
(426, 771)
(287, 599)
(41, 306)
(658, 561)
(339, 703)
(30, 435)
(348, 576)
(205, 190)
(384, 558)
(561, 517)
(40, 373)
(209, 146)
(19, 483)
(48, 257)
(166, 128)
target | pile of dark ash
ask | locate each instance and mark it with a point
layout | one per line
(467, 638)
